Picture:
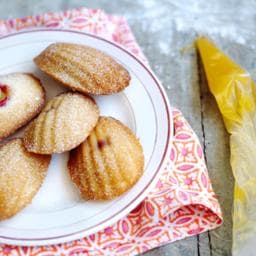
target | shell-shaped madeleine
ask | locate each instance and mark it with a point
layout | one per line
(63, 124)
(83, 68)
(108, 163)
(21, 175)
(21, 98)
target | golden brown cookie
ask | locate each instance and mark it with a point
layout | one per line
(108, 163)
(21, 98)
(63, 124)
(21, 175)
(83, 68)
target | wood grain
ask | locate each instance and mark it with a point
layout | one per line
(161, 38)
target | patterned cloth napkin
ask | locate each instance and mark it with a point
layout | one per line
(181, 205)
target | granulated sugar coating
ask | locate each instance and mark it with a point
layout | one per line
(21, 175)
(83, 69)
(108, 163)
(63, 124)
(25, 97)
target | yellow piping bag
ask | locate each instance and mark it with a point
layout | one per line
(235, 93)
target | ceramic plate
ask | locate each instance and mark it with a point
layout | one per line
(57, 213)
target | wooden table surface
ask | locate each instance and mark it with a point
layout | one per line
(162, 28)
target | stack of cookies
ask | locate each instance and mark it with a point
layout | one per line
(105, 160)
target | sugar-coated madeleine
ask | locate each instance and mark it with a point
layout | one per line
(108, 163)
(21, 175)
(83, 68)
(21, 98)
(63, 124)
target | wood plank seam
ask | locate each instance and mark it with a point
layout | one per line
(201, 80)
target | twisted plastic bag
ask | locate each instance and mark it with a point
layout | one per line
(235, 93)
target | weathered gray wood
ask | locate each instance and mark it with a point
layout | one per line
(160, 37)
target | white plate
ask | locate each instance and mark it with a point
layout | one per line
(57, 213)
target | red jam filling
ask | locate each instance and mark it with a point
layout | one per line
(103, 143)
(3, 94)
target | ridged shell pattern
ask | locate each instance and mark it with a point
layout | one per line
(83, 68)
(21, 175)
(108, 163)
(63, 124)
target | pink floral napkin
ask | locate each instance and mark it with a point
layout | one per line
(181, 205)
